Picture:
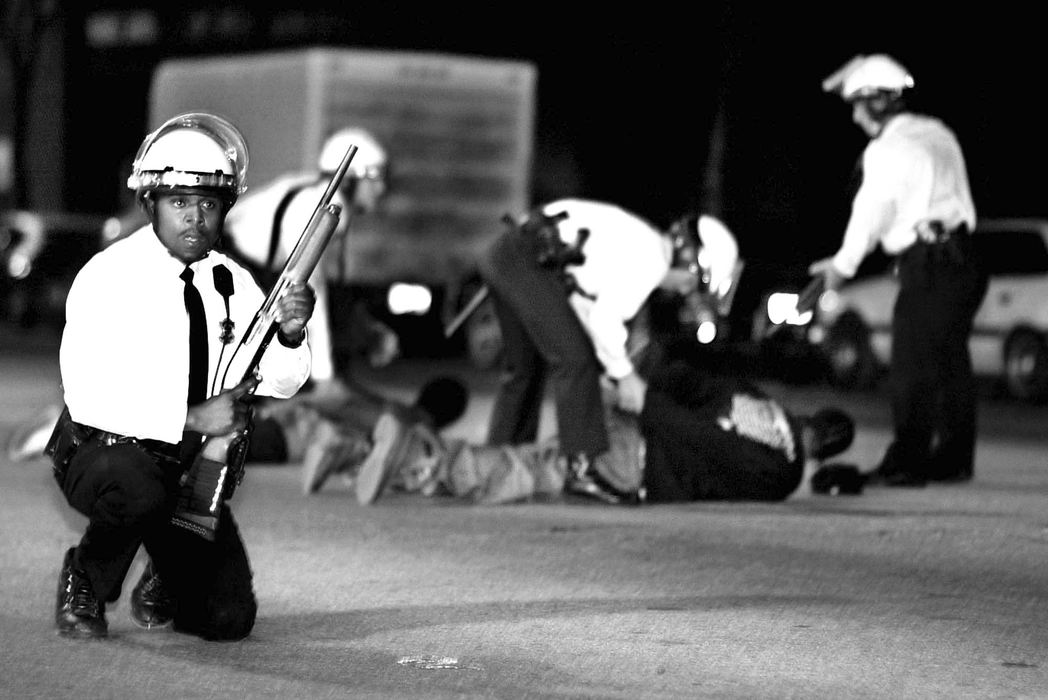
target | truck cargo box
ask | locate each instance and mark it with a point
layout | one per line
(459, 131)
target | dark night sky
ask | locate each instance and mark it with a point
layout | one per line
(630, 96)
(627, 100)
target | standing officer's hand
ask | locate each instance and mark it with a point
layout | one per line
(631, 391)
(222, 413)
(294, 309)
(829, 273)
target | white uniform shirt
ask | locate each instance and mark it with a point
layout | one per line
(626, 259)
(913, 171)
(250, 227)
(124, 355)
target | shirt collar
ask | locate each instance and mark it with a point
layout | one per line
(893, 123)
(158, 254)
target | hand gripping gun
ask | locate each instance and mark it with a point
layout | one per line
(219, 467)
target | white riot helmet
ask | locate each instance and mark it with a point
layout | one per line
(370, 161)
(194, 150)
(703, 245)
(868, 76)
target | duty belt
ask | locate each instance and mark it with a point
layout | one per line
(937, 245)
(935, 231)
(155, 447)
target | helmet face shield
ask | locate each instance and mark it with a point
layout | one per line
(182, 179)
(688, 251)
(864, 77)
(194, 150)
(705, 247)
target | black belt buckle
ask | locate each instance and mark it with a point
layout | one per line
(108, 439)
(157, 449)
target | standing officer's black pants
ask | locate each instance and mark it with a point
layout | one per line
(933, 390)
(128, 496)
(541, 334)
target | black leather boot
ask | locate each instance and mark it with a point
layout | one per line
(78, 612)
(151, 606)
(581, 478)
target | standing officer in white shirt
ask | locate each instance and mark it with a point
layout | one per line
(141, 395)
(266, 224)
(566, 280)
(915, 202)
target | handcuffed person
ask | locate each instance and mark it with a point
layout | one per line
(698, 437)
(343, 436)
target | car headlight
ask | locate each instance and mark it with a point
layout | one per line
(409, 299)
(706, 333)
(782, 308)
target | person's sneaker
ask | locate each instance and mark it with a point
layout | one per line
(421, 463)
(389, 442)
(78, 613)
(330, 452)
(298, 423)
(151, 606)
(581, 478)
(29, 439)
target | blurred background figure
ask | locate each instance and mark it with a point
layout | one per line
(269, 219)
(915, 202)
(358, 432)
(672, 324)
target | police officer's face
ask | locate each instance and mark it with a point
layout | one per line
(682, 282)
(368, 194)
(863, 117)
(188, 223)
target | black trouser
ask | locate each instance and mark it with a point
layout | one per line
(128, 496)
(933, 392)
(541, 335)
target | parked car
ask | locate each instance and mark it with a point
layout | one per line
(1009, 343)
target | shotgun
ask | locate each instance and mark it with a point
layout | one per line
(218, 468)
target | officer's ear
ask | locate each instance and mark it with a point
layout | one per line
(147, 204)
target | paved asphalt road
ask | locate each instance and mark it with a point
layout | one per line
(930, 593)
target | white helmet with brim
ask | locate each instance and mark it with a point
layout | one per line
(192, 151)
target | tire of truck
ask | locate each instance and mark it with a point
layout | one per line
(849, 358)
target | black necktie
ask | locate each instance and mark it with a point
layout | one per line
(197, 340)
